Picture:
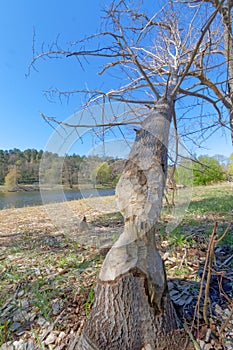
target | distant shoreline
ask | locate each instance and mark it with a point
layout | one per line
(21, 198)
(37, 187)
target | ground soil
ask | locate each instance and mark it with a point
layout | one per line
(49, 264)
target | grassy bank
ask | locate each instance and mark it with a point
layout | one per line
(48, 268)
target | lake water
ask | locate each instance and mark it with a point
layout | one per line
(22, 199)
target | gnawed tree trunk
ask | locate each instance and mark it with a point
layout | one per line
(132, 308)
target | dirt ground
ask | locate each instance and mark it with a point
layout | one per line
(49, 264)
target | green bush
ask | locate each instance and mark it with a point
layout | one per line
(207, 170)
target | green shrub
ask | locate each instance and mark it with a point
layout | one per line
(207, 170)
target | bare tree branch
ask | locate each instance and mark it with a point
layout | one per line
(204, 30)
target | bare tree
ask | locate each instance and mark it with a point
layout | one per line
(162, 61)
(222, 47)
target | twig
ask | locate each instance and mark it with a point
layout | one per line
(224, 234)
(196, 345)
(183, 258)
(204, 30)
(210, 255)
(91, 126)
(227, 321)
(227, 260)
(197, 308)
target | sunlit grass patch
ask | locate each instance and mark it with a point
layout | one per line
(209, 199)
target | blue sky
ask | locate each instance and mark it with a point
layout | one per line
(22, 98)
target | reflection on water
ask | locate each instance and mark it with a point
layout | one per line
(23, 199)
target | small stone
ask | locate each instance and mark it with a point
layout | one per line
(62, 335)
(46, 325)
(32, 316)
(61, 347)
(30, 345)
(165, 256)
(56, 307)
(52, 346)
(83, 225)
(208, 347)
(7, 310)
(20, 332)
(227, 312)
(50, 339)
(19, 344)
(21, 293)
(41, 321)
(24, 304)
(202, 344)
(7, 346)
(228, 345)
(208, 335)
(148, 347)
(218, 310)
(14, 326)
(20, 316)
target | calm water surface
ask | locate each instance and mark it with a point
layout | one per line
(22, 199)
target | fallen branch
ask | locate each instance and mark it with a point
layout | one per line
(210, 257)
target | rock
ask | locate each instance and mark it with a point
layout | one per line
(32, 316)
(208, 335)
(148, 347)
(14, 326)
(227, 312)
(208, 347)
(50, 339)
(60, 337)
(52, 346)
(7, 310)
(166, 256)
(21, 293)
(30, 345)
(24, 304)
(83, 226)
(228, 345)
(41, 321)
(56, 307)
(7, 346)
(202, 344)
(218, 309)
(19, 344)
(20, 316)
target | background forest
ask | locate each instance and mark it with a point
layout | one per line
(22, 168)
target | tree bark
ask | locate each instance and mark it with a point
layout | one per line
(132, 308)
(124, 318)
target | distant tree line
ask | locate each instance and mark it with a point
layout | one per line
(22, 168)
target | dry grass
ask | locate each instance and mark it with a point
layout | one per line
(48, 268)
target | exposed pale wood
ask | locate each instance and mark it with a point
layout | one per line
(132, 307)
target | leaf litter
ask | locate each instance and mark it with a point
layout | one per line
(48, 275)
